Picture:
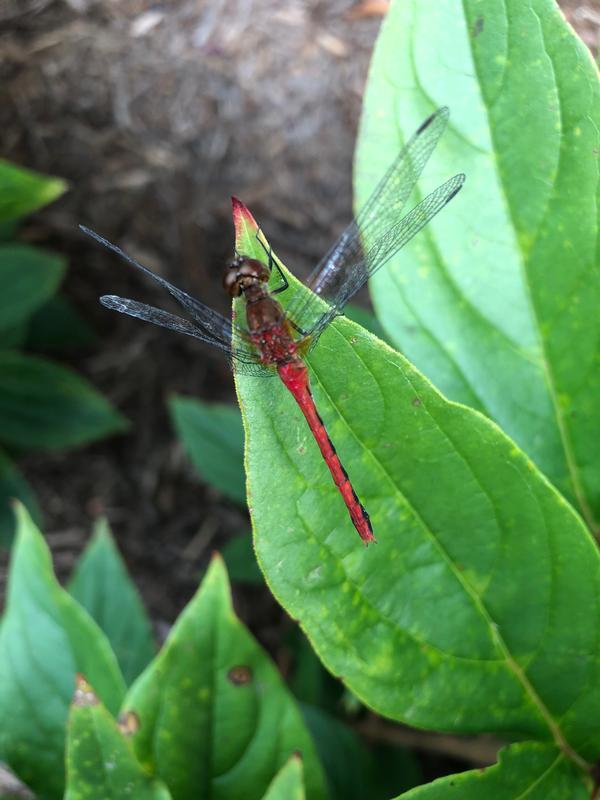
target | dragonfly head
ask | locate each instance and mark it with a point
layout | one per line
(243, 273)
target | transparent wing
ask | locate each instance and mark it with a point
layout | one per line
(209, 320)
(383, 248)
(209, 326)
(345, 268)
(245, 357)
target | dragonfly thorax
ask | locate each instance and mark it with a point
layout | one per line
(245, 276)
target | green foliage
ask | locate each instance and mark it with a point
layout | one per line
(209, 716)
(353, 772)
(100, 760)
(481, 595)
(23, 191)
(13, 486)
(45, 639)
(239, 556)
(287, 784)
(497, 301)
(214, 715)
(530, 770)
(48, 406)
(101, 584)
(213, 438)
(29, 277)
(41, 404)
(478, 609)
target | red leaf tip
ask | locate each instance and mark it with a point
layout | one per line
(242, 219)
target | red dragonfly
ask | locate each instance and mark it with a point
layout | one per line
(274, 340)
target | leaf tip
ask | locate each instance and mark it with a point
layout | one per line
(83, 696)
(243, 221)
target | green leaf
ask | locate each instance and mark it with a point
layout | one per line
(101, 585)
(45, 638)
(287, 784)
(213, 438)
(353, 772)
(240, 559)
(527, 770)
(483, 590)
(57, 325)
(366, 319)
(14, 338)
(13, 486)
(100, 761)
(497, 300)
(214, 716)
(23, 191)
(44, 405)
(9, 230)
(28, 277)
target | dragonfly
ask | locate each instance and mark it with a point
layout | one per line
(274, 340)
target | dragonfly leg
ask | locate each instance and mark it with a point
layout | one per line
(297, 328)
(272, 263)
(285, 283)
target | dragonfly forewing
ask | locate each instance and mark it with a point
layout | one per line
(378, 231)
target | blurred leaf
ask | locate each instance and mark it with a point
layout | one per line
(428, 627)
(215, 718)
(353, 772)
(57, 325)
(8, 230)
(288, 783)
(497, 301)
(101, 584)
(213, 438)
(28, 277)
(23, 191)
(529, 770)
(240, 559)
(309, 681)
(45, 638)
(100, 761)
(14, 338)
(13, 486)
(44, 405)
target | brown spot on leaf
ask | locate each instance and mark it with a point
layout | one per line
(416, 401)
(477, 27)
(129, 723)
(240, 675)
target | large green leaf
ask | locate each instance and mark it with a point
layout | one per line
(527, 771)
(28, 277)
(212, 436)
(101, 584)
(13, 486)
(497, 301)
(287, 784)
(44, 405)
(100, 761)
(482, 593)
(23, 191)
(215, 719)
(45, 638)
